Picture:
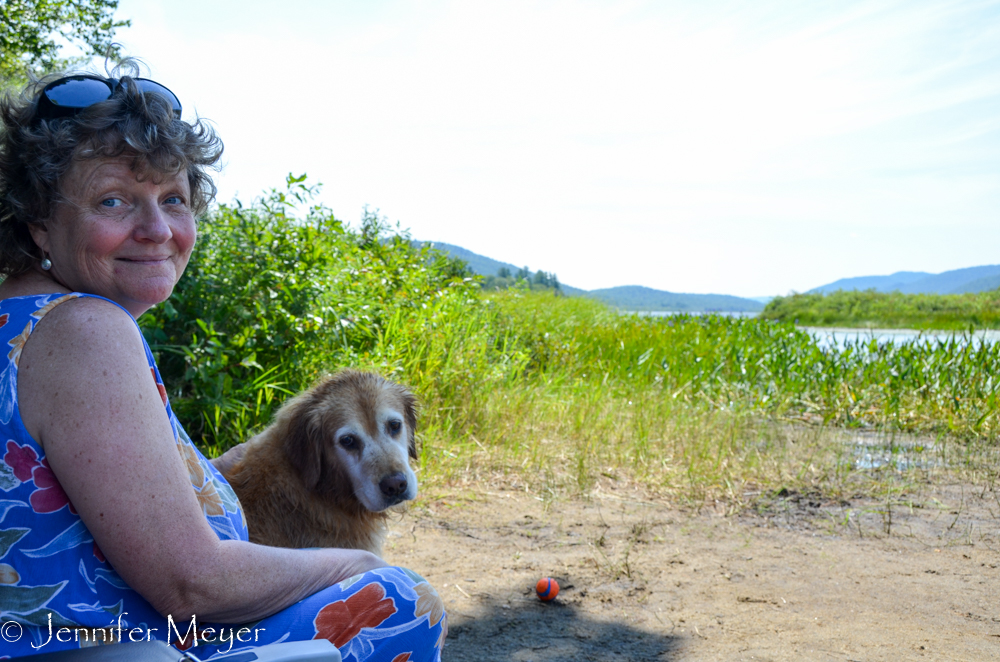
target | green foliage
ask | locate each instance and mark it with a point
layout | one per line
(944, 385)
(276, 294)
(29, 30)
(889, 310)
(557, 392)
(546, 280)
(539, 281)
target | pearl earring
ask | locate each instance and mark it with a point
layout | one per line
(46, 263)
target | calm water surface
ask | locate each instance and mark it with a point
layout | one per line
(831, 337)
(838, 337)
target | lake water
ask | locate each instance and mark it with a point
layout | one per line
(671, 313)
(831, 337)
(838, 337)
(873, 449)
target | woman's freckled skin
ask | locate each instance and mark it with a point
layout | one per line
(133, 252)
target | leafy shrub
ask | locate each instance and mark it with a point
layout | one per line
(274, 297)
(553, 389)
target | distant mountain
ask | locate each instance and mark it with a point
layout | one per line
(635, 297)
(628, 297)
(487, 266)
(878, 283)
(956, 281)
(482, 265)
(952, 282)
(982, 284)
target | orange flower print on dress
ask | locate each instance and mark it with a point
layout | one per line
(209, 500)
(402, 657)
(47, 308)
(341, 621)
(9, 575)
(3, 320)
(195, 470)
(17, 343)
(159, 387)
(429, 602)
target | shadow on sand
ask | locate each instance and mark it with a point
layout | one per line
(531, 631)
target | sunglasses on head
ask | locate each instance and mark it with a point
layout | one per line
(68, 96)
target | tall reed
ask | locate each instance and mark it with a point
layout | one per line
(549, 391)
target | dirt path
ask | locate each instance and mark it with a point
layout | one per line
(643, 581)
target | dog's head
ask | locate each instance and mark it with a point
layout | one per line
(353, 434)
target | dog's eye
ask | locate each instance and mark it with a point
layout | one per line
(348, 441)
(394, 427)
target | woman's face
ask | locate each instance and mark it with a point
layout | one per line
(118, 237)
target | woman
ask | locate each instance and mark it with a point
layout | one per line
(112, 525)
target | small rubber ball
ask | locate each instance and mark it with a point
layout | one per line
(547, 589)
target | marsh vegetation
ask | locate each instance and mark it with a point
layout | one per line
(889, 310)
(555, 391)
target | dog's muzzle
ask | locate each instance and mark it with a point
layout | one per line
(394, 487)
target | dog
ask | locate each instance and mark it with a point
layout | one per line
(336, 457)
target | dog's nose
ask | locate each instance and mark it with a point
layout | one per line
(394, 485)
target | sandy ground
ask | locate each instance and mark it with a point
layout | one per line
(642, 580)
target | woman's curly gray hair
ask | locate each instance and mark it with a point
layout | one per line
(36, 153)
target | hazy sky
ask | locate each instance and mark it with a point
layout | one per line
(746, 148)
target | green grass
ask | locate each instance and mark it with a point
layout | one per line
(549, 392)
(892, 310)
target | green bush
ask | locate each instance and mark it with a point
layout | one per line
(888, 310)
(551, 390)
(276, 294)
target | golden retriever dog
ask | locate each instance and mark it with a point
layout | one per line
(334, 459)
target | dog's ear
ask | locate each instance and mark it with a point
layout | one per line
(304, 449)
(410, 413)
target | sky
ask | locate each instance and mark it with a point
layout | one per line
(747, 148)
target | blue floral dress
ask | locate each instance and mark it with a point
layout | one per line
(57, 591)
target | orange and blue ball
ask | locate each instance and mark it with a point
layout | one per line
(547, 589)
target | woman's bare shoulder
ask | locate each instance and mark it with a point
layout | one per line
(85, 325)
(81, 351)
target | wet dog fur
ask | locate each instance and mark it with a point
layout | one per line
(334, 459)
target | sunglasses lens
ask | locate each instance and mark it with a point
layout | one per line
(146, 85)
(77, 92)
(68, 95)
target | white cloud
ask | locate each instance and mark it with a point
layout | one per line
(717, 146)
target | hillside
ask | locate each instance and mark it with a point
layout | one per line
(635, 297)
(956, 281)
(487, 266)
(626, 297)
(878, 283)
(482, 265)
(983, 284)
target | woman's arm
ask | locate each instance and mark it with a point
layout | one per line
(87, 395)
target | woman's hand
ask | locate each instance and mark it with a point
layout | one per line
(351, 562)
